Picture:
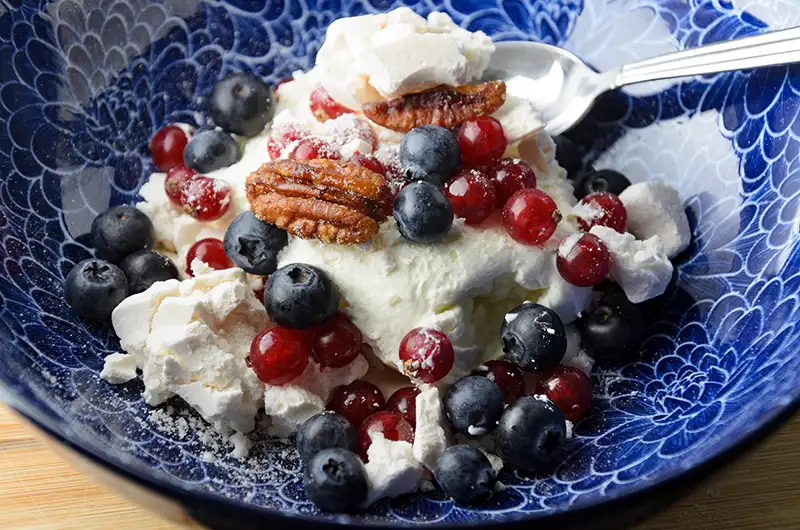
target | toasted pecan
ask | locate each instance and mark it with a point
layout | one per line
(444, 106)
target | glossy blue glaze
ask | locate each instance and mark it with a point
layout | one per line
(83, 85)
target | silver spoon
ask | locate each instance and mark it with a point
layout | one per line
(563, 88)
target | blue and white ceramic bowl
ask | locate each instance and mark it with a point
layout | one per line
(84, 83)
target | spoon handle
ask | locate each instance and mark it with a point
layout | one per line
(769, 49)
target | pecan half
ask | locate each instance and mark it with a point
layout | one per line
(334, 201)
(442, 105)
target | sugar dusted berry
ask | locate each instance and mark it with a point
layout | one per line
(533, 337)
(166, 147)
(356, 401)
(313, 148)
(324, 107)
(601, 209)
(337, 342)
(210, 150)
(507, 376)
(283, 136)
(369, 162)
(426, 354)
(583, 260)
(509, 176)
(472, 195)
(205, 198)
(177, 178)
(423, 213)
(530, 216)
(279, 355)
(481, 140)
(210, 251)
(569, 388)
(404, 402)
(300, 296)
(390, 424)
(253, 245)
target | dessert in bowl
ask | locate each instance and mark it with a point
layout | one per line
(407, 281)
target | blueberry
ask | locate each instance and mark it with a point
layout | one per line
(210, 150)
(603, 180)
(430, 153)
(568, 156)
(530, 433)
(613, 329)
(120, 231)
(94, 288)
(474, 405)
(300, 296)
(336, 481)
(146, 267)
(465, 474)
(533, 337)
(423, 213)
(242, 104)
(325, 430)
(253, 245)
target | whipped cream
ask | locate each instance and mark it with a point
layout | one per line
(392, 469)
(190, 339)
(655, 209)
(383, 56)
(641, 268)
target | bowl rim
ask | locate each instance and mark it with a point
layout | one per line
(676, 481)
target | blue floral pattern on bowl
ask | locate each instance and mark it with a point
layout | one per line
(83, 85)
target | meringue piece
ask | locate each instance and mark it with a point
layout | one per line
(655, 209)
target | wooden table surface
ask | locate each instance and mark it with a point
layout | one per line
(40, 490)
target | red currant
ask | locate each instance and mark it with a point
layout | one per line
(426, 354)
(356, 401)
(211, 252)
(583, 260)
(166, 147)
(390, 424)
(205, 198)
(511, 175)
(176, 180)
(281, 137)
(369, 162)
(602, 209)
(324, 107)
(279, 355)
(507, 376)
(481, 140)
(336, 342)
(569, 388)
(472, 195)
(530, 216)
(277, 85)
(313, 148)
(404, 402)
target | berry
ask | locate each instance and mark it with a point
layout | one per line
(602, 209)
(613, 329)
(530, 216)
(507, 376)
(337, 342)
(210, 150)
(369, 162)
(324, 107)
(430, 153)
(166, 147)
(242, 104)
(569, 388)
(604, 180)
(210, 251)
(335, 481)
(426, 354)
(474, 405)
(481, 141)
(175, 181)
(356, 401)
(583, 260)
(404, 402)
(423, 213)
(390, 424)
(465, 474)
(146, 267)
(205, 198)
(472, 195)
(530, 433)
(277, 85)
(313, 148)
(94, 287)
(281, 136)
(300, 296)
(279, 355)
(322, 431)
(568, 156)
(120, 231)
(347, 131)
(253, 245)
(533, 337)
(509, 176)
